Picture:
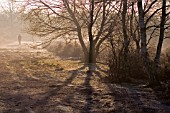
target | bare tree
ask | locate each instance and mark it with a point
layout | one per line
(124, 28)
(144, 52)
(142, 27)
(90, 20)
(162, 32)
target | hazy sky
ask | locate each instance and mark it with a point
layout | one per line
(3, 3)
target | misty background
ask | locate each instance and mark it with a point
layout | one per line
(12, 24)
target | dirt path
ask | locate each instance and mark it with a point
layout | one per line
(34, 81)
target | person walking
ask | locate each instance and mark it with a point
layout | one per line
(19, 39)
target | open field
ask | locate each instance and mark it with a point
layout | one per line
(34, 81)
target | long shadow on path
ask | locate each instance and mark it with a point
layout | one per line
(89, 92)
(37, 104)
(121, 96)
(55, 90)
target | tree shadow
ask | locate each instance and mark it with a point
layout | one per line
(89, 92)
(17, 103)
(55, 90)
(80, 96)
(120, 94)
(24, 102)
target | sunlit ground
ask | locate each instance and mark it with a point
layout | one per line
(35, 81)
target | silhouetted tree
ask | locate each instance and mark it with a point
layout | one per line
(92, 21)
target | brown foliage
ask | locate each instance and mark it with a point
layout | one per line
(66, 50)
(122, 70)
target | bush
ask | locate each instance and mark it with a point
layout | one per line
(66, 50)
(122, 70)
(167, 77)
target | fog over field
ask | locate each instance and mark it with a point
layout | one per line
(11, 24)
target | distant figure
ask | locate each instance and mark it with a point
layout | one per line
(19, 39)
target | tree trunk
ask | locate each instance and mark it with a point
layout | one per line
(85, 57)
(161, 35)
(92, 56)
(142, 31)
(161, 38)
(124, 29)
(134, 33)
(147, 64)
(91, 63)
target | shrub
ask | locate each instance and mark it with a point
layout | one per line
(122, 70)
(66, 50)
